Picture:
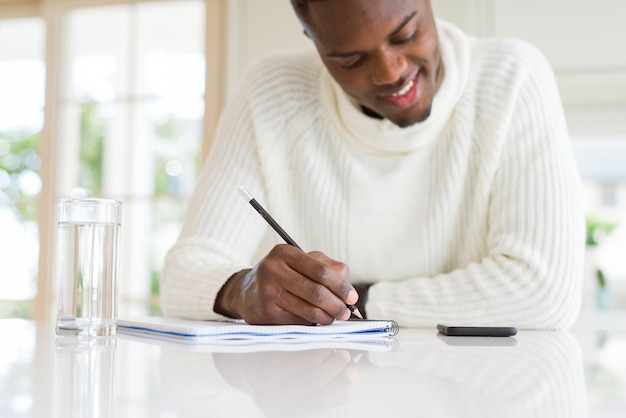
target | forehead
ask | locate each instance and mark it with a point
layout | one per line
(335, 24)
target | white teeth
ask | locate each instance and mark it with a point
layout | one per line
(405, 90)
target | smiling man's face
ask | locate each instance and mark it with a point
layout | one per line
(384, 54)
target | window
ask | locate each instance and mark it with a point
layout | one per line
(131, 105)
(601, 163)
(126, 116)
(22, 85)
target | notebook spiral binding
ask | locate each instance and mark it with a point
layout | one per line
(394, 327)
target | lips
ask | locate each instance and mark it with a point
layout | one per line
(404, 96)
(405, 89)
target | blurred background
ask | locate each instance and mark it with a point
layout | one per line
(119, 99)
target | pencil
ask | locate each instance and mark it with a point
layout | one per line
(283, 234)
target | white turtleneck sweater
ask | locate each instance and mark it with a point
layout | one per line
(470, 217)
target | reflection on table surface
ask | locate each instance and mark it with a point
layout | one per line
(535, 374)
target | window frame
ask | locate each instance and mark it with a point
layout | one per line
(52, 12)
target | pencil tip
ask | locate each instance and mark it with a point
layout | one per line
(357, 313)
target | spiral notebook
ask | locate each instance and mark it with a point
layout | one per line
(206, 331)
(204, 345)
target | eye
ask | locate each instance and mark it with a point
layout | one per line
(400, 39)
(354, 64)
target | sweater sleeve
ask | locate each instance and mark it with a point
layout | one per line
(531, 276)
(220, 235)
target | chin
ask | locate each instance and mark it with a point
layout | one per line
(407, 121)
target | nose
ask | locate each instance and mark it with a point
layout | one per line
(389, 66)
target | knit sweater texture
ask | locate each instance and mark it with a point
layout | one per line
(471, 217)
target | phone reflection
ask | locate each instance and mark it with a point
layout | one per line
(471, 341)
(540, 376)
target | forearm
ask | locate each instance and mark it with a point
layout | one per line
(219, 236)
(496, 292)
(193, 275)
(529, 278)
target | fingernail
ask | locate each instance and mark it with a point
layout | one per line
(353, 296)
(346, 315)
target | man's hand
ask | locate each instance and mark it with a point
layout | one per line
(289, 286)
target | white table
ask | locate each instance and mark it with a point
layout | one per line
(537, 374)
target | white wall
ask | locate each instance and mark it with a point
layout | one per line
(585, 41)
(256, 28)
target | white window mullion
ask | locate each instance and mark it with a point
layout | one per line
(44, 301)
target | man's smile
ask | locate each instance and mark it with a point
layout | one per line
(407, 95)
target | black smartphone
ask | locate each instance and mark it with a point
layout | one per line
(463, 331)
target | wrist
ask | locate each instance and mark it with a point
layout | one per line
(228, 298)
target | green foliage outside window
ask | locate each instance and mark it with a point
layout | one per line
(91, 147)
(19, 160)
(597, 230)
(18, 157)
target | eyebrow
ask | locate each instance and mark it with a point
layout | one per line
(335, 54)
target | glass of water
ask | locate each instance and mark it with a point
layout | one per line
(88, 241)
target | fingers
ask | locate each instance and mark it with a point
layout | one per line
(290, 286)
(323, 282)
(319, 306)
(331, 274)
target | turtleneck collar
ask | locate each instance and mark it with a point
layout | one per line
(383, 136)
